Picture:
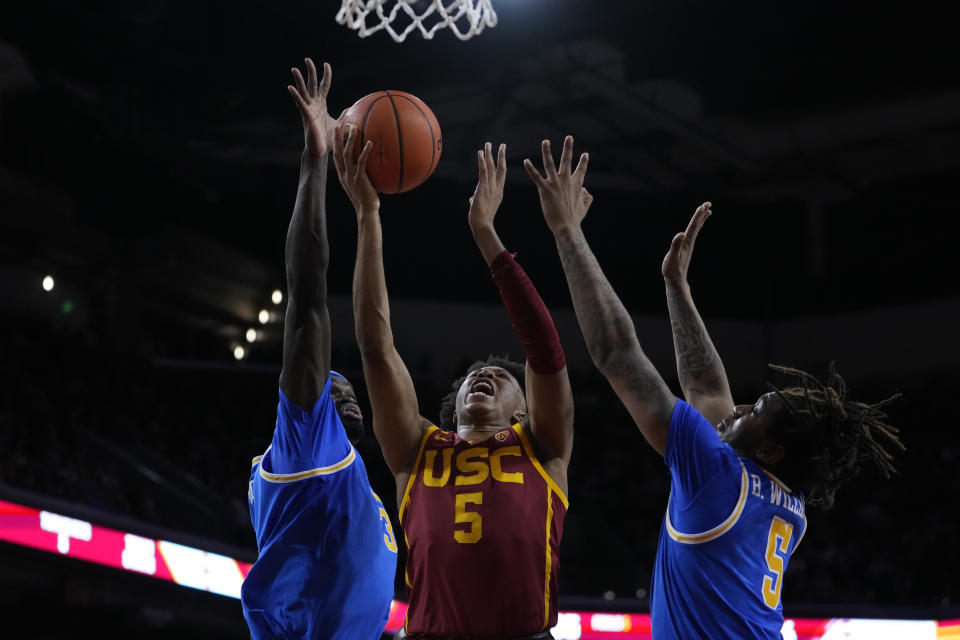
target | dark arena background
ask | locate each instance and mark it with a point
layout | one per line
(148, 167)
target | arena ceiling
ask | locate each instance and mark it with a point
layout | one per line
(153, 143)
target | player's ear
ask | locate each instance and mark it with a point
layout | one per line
(455, 418)
(769, 453)
(518, 416)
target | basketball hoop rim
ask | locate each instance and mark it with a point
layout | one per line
(366, 17)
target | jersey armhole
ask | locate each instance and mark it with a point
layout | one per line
(345, 462)
(720, 529)
(536, 464)
(413, 472)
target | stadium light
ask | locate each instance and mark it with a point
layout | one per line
(277, 296)
(48, 283)
(251, 335)
(263, 316)
(239, 352)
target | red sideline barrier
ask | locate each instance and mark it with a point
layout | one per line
(199, 569)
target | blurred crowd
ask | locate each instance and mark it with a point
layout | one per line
(171, 446)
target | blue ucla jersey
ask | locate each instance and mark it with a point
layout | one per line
(327, 553)
(727, 537)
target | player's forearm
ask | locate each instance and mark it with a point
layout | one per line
(528, 314)
(699, 366)
(488, 241)
(606, 325)
(307, 249)
(371, 308)
(612, 340)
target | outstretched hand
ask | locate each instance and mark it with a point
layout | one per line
(677, 260)
(563, 198)
(311, 99)
(352, 170)
(488, 195)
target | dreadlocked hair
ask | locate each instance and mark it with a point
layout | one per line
(449, 403)
(828, 437)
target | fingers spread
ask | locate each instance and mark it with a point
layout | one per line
(549, 168)
(481, 166)
(581, 171)
(488, 159)
(311, 77)
(297, 98)
(327, 79)
(566, 155)
(533, 173)
(298, 81)
(501, 164)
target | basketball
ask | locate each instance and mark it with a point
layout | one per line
(406, 139)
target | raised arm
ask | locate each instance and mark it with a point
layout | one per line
(702, 376)
(306, 333)
(607, 327)
(397, 422)
(549, 398)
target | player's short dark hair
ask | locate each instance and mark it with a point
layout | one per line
(449, 403)
(826, 436)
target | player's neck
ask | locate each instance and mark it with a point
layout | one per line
(478, 432)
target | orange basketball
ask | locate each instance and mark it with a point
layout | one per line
(406, 139)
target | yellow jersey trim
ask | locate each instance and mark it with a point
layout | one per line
(406, 571)
(257, 459)
(549, 563)
(802, 533)
(777, 480)
(311, 473)
(787, 490)
(536, 464)
(720, 529)
(416, 467)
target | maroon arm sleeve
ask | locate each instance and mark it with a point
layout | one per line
(528, 314)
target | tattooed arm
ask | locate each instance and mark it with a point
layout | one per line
(607, 327)
(701, 372)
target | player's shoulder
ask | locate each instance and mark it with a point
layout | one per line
(435, 437)
(289, 411)
(691, 431)
(686, 414)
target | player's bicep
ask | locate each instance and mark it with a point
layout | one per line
(306, 353)
(550, 407)
(397, 422)
(713, 408)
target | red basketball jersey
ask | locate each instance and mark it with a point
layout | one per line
(482, 523)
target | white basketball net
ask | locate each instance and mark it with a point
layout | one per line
(466, 18)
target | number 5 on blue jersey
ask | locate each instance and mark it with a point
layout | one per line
(778, 540)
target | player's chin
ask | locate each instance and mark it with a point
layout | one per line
(354, 428)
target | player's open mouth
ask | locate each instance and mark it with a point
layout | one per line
(352, 411)
(482, 386)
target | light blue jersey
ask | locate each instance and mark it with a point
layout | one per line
(727, 537)
(327, 553)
